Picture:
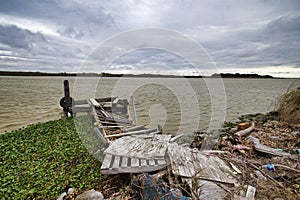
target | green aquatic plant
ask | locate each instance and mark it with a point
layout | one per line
(43, 160)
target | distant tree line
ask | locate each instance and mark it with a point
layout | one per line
(223, 75)
(238, 75)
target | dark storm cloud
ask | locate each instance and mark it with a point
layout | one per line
(15, 37)
(71, 19)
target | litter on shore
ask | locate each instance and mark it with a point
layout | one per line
(253, 156)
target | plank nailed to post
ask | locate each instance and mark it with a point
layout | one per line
(67, 102)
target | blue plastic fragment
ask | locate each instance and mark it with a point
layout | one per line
(270, 167)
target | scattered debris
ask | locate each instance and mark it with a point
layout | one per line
(241, 147)
(61, 197)
(152, 188)
(237, 168)
(245, 132)
(250, 192)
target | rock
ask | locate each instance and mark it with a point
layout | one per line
(71, 190)
(90, 195)
(233, 130)
(275, 138)
(61, 197)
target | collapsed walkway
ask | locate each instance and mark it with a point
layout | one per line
(136, 149)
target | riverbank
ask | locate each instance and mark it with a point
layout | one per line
(44, 160)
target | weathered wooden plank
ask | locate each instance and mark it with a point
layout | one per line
(110, 123)
(93, 102)
(132, 133)
(176, 137)
(110, 119)
(124, 162)
(95, 118)
(80, 102)
(135, 162)
(145, 147)
(138, 169)
(116, 127)
(143, 163)
(161, 162)
(81, 109)
(135, 128)
(101, 135)
(116, 162)
(205, 189)
(105, 99)
(106, 161)
(266, 149)
(151, 162)
(188, 162)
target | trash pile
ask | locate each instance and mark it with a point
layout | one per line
(253, 157)
(258, 154)
(265, 150)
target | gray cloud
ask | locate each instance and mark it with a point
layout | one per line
(57, 35)
(18, 38)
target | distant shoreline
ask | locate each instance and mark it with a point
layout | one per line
(223, 75)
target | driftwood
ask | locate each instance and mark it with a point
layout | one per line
(246, 132)
(266, 149)
(286, 167)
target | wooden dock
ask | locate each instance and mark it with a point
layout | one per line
(132, 148)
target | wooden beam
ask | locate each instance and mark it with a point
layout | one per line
(101, 136)
(93, 102)
(105, 99)
(246, 132)
(81, 109)
(268, 150)
(80, 102)
(135, 128)
(133, 133)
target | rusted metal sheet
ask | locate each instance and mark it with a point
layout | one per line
(140, 146)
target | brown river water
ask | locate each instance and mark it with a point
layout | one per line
(180, 105)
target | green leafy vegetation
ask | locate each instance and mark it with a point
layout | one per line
(43, 160)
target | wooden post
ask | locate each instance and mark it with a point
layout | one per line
(66, 89)
(67, 102)
(133, 110)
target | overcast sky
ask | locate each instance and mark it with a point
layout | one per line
(239, 36)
